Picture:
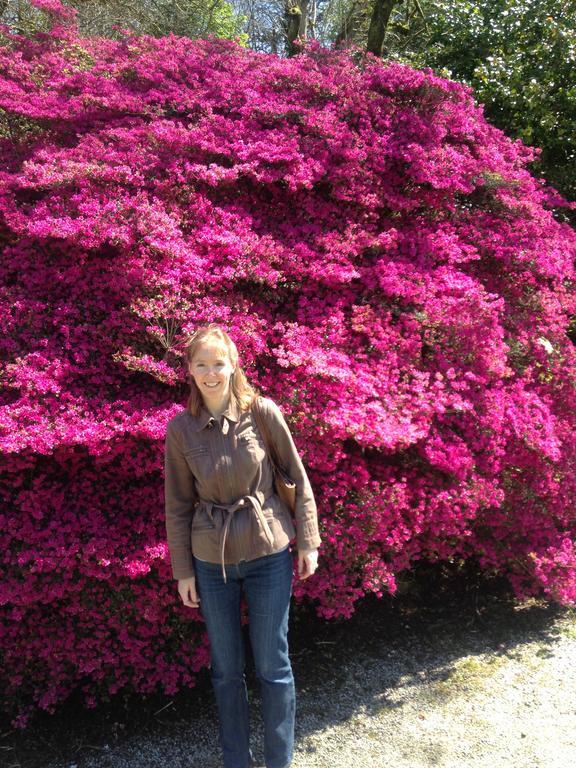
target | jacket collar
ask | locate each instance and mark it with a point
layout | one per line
(232, 413)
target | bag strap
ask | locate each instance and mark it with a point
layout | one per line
(264, 431)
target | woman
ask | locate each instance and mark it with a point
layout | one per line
(229, 531)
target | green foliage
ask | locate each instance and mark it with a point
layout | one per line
(228, 23)
(519, 56)
(188, 18)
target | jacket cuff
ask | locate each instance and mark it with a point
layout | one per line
(182, 565)
(307, 534)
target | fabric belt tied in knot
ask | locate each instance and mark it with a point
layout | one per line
(264, 532)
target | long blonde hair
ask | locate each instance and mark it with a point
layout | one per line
(240, 389)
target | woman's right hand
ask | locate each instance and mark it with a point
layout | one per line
(187, 591)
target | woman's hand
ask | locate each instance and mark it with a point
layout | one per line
(307, 562)
(187, 591)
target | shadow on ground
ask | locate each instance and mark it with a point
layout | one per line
(439, 615)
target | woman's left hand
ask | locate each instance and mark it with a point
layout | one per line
(307, 562)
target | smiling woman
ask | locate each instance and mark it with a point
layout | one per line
(211, 370)
(229, 532)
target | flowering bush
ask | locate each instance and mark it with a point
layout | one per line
(393, 275)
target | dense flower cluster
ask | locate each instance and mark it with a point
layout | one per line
(392, 273)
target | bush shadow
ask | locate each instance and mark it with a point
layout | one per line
(440, 615)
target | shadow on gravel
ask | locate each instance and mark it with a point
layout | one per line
(438, 616)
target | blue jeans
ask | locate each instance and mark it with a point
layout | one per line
(267, 583)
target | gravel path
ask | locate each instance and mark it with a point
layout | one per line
(491, 686)
(514, 709)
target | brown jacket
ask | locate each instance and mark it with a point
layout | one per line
(219, 489)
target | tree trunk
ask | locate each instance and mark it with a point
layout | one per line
(378, 24)
(293, 23)
(303, 29)
(313, 14)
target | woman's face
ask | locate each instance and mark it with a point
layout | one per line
(211, 369)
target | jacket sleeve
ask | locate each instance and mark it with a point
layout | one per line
(307, 533)
(180, 497)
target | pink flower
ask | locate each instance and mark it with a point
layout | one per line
(388, 267)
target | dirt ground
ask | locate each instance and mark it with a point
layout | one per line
(453, 671)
